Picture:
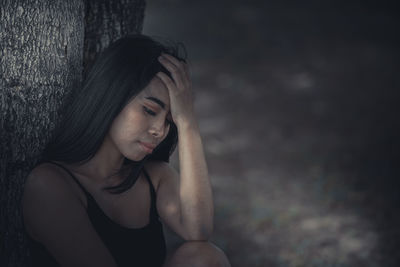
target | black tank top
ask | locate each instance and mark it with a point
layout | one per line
(129, 246)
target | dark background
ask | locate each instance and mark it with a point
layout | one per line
(297, 105)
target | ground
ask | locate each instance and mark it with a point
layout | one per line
(297, 108)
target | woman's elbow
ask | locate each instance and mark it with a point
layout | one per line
(202, 234)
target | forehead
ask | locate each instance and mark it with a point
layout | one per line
(156, 88)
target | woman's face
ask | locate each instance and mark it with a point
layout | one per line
(143, 123)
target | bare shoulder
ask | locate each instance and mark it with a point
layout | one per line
(55, 217)
(45, 177)
(48, 179)
(46, 186)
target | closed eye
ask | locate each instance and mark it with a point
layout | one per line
(149, 111)
(152, 113)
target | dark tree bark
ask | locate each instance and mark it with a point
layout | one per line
(44, 46)
(41, 50)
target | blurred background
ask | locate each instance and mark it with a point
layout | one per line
(297, 106)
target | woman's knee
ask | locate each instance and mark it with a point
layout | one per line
(198, 254)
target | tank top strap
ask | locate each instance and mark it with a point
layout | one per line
(153, 207)
(73, 177)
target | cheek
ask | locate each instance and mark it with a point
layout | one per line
(124, 128)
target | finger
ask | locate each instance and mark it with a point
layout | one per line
(167, 81)
(181, 65)
(174, 60)
(177, 73)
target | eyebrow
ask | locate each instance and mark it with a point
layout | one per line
(156, 100)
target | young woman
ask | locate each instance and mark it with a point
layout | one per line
(104, 186)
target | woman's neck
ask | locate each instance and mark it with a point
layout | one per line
(105, 166)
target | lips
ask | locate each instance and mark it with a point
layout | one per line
(148, 147)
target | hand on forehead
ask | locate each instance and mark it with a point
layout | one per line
(157, 92)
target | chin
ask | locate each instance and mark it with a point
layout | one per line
(135, 157)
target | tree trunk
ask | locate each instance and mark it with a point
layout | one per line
(44, 46)
(107, 21)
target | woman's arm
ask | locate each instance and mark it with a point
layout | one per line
(184, 201)
(191, 192)
(195, 189)
(55, 216)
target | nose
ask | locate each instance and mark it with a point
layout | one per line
(157, 129)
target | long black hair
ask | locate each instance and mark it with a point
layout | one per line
(119, 73)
